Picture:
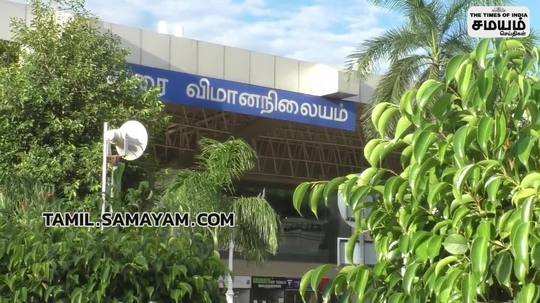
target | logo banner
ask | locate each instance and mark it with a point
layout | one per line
(223, 95)
(498, 21)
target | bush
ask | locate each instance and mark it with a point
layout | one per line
(460, 221)
(68, 79)
(39, 264)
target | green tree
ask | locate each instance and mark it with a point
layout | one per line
(68, 80)
(460, 220)
(8, 53)
(40, 264)
(434, 31)
(210, 189)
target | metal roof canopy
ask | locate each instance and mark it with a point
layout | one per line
(287, 152)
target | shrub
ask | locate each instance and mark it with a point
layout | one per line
(460, 220)
(39, 264)
(68, 79)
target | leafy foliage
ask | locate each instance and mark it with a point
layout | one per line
(39, 264)
(433, 33)
(209, 188)
(8, 52)
(460, 220)
(68, 80)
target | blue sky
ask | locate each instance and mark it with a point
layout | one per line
(313, 30)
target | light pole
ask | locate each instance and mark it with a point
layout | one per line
(130, 141)
(229, 295)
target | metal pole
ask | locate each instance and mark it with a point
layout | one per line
(230, 292)
(104, 170)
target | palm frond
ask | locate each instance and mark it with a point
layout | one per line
(530, 41)
(456, 10)
(206, 190)
(193, 192)
(257, 227)
(401, 75)
(454, 13)
(391, 45)
(459, 42)
(225, 161)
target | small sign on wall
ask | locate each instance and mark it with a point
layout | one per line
(498, 22)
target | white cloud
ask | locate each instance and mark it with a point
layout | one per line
(323, 31)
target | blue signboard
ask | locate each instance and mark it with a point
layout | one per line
(223, 95)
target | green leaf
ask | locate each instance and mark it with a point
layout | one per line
(349, 247)
(377, 112)
(419, 173)
(485, 83)
(443, 263)
(347, 190)
(461, 176)
(315, 198)
(520, 249)
(439, 188)
(503, 268)
(527, 293)
(402, 126)
(465, 79)
(409, 277)
(375, 156)
(299, 194)
(453, 66)
(459, 145)
(492, 187)
(361, 283)
(481, 52)
(397, 297)
(385, 118)
(327, 294)
(523, 194)
(357, 198)
(484, 134)
(434, 246)
(421, 143)
(426, 91)
(513, 44)
(306, 280)
(429, 248)
(317, 275)
(442, 105)
(527, 209)
(391, 189)
(332, 187)
(406, 102)
(500, 129)
(370, 146)
(469, 288)
(141, 261)
(524, 146)
(456, 244)
(479, 256)
(484, 229)
(535, 255)
(531, 180)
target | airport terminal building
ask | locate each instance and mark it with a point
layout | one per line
(300, 117)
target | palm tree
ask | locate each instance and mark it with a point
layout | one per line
(434, 32)
(209, 188)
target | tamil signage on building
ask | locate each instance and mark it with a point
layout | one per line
(218, 94)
